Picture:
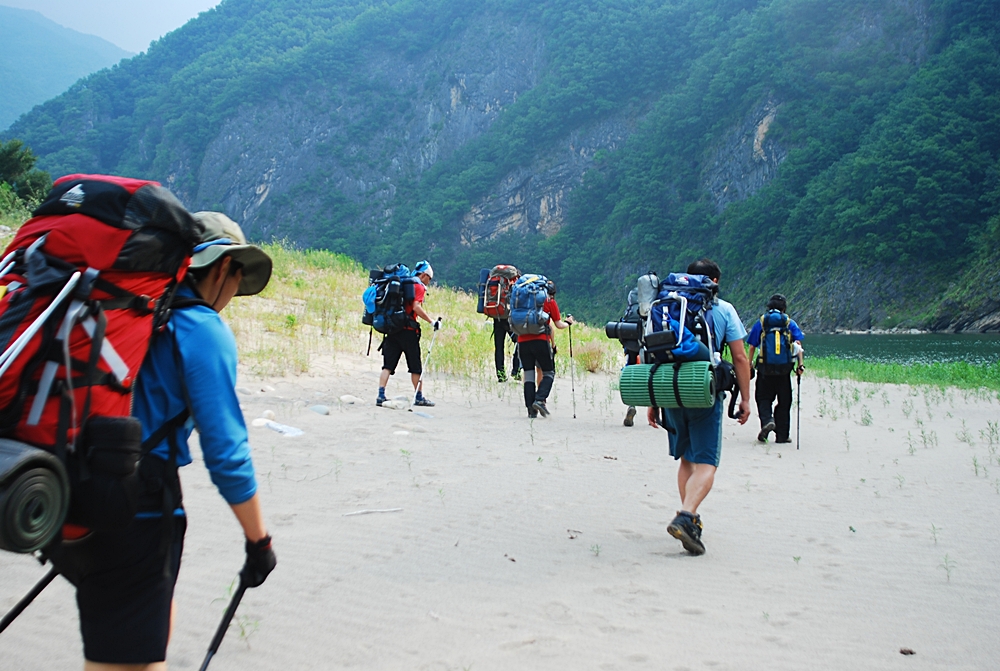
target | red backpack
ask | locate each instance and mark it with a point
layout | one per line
(498, 285)
(83, 286)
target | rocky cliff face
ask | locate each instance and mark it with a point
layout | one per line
(746, 158)
(532, 199)
(273, 165)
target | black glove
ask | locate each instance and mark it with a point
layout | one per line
(260, 562)
(437, 324)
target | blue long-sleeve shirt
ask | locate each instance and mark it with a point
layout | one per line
(201, 375)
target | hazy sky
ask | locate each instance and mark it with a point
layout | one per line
(131, 24)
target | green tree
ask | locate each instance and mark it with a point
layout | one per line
(17, 168)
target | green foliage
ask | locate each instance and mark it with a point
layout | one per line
(17, 170)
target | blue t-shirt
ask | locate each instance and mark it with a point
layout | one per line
(199, 374)
(726, 324)
(754, 338)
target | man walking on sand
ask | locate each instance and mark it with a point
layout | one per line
(775, 361)
(407, 341)
(538, 353)
(695, 434)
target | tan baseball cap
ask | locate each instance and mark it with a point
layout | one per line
(223, 236)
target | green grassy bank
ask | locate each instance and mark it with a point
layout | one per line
(954, 374)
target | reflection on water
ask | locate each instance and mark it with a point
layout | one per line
(907, 348)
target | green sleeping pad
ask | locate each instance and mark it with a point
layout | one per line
(692, 382)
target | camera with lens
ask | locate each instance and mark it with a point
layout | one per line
(628, 333)
(624, 331)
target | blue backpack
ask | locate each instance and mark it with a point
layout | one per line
(680, 324)
(527, 299)
(386, 298)
(776, 356)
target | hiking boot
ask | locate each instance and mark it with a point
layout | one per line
(516, 374)
(424, 402)
(501, 376)
(539, 407)
(762, 436)
(687, 529)
(380, 400)
(630, 416)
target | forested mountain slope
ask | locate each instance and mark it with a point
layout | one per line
(841, 151)
(40, 59)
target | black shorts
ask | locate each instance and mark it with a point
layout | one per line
(536, 353)
(124, 589)
(395, 345)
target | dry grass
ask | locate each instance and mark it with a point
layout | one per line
(312, 307)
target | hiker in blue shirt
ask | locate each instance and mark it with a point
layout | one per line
(695, 434)
(773, 382)
(125, 580)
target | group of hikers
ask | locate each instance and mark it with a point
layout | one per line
(694, 433)
(125, 574)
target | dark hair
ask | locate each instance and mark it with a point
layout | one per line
(777, 302)
(550, 286)
(196, 275)
(706, 267)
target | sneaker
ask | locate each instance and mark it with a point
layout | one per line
(380, 400)
(629, 416)
(768, 428)
(532, 413)
(783, 440)
(687, 529)
(539, 407)
(516, 375)
(501, 376)
(424, 402)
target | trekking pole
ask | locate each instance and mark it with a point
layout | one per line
(370, 329)
(798, 408)
(227, 617)
(420, 380)
(572, 367)
(28, 598)
(798, 400)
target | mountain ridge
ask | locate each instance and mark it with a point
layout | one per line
(808, 146)
(40, 59)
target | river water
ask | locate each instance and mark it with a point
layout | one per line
(907, 348)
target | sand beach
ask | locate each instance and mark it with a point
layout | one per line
(510, 544)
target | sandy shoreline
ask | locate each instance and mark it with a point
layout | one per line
(543, 546)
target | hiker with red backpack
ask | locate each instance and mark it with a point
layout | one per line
(494, 301)
(125, 579)
(533, 312)
(406, 340)
(775, 342)
(92, 283)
